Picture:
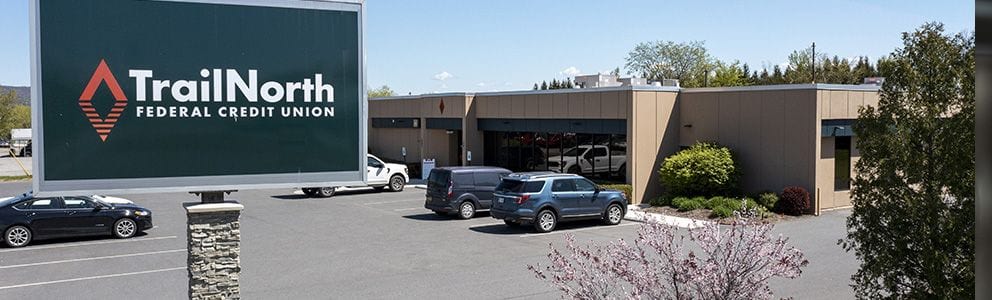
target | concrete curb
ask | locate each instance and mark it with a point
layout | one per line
(419, 186)
(637, 214)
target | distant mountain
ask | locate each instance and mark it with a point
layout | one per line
(23, 93)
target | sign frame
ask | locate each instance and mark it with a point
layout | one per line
(45, 188)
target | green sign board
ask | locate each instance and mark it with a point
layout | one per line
(135, 96)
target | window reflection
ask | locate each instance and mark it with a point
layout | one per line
(602, 157)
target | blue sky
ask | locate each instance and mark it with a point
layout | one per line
(428, 46)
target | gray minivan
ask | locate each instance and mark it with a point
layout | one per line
(461, 191)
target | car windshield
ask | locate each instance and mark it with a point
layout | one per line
(98, 199)
(574, 152)
(8, 201)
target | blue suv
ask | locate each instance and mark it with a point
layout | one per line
(544, 198)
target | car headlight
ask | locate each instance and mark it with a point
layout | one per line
(141, 213)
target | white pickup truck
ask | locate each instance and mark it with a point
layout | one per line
(381, 176)
(588, 159)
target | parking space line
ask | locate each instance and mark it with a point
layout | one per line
(90, 258)
(575, 230)
(87, 244)
(408, 209)
(487, 225)
(396, 201)
(89, 278)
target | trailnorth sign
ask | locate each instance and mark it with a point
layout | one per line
(138, 96)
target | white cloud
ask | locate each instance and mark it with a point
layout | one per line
(507, 83)
(570, 71)
(444, 75)
(481, 84)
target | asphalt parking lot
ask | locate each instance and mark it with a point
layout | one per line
(359, 244)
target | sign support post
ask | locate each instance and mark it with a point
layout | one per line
(213, 243)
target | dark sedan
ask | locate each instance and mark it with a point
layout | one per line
(25, 218)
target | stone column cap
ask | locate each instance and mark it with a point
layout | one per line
(198, 207)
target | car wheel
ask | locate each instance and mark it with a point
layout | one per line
(125, 228)
(17, 236)
(546, 221)
(614, 214)
(574, 170)
(326, 191)
(466, 210)
(396, 183)
(511, 223)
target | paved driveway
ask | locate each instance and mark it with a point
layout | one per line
(356, 245)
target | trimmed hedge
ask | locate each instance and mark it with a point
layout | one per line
(625, 188)
(794, 201)
(703, 169)
(689, 204)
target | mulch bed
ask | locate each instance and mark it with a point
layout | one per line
(704, 215)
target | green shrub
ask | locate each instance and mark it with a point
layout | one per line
(768, 199)
(721, 212)
(661, 201)
(688, 204)
(625, 188)
(703, 169)
(721, 201)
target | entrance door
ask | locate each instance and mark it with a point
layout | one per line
(455, 147)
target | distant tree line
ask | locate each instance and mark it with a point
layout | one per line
(13, 114)
(555, 84)
(693, 66)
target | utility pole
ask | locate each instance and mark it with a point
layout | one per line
(813, 66)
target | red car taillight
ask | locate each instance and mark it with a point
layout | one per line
(451, 191)
(522, 199)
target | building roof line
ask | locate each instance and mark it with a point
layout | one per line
(538, 92)
(784, 87)
(777, 87)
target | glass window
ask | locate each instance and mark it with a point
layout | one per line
(463, 179)
(534, 187)
(44, 203)
(517, 186)
(842, 163)
(599, 152)
(438, 178)
(583, 185)
(73, 203)
(486, 178)
(563, 185)
(574, 151)
(375, 163)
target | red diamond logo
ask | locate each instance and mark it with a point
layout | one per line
(103, 125)
(441, 106)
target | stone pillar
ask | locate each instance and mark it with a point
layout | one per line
(213, 261)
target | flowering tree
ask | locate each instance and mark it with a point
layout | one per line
(734, 262)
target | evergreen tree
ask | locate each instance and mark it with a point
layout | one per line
(569, 84)
(535, 87)
(554, 84)
(863, 69)
(544, 85)
(777, 77)
(746, 75)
